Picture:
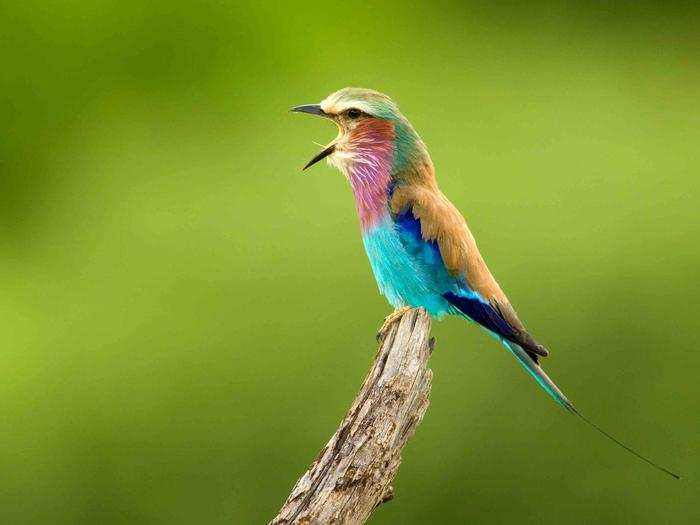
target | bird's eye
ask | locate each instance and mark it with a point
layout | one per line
(354, 113)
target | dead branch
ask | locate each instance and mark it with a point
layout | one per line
(353, 474)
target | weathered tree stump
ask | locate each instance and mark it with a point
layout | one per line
(353, 474)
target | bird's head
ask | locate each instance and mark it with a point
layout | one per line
(371, 130)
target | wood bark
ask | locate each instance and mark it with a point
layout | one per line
(354, 472)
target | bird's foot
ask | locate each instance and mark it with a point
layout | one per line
(390, 320)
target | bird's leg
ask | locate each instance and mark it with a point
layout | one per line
(389, 320)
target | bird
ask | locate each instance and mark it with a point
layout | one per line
(419, 246)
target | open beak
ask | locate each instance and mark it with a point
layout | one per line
(320, 156)
(315, 109)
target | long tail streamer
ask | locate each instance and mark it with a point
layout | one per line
(553, 390)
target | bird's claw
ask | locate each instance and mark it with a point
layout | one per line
(389, 320)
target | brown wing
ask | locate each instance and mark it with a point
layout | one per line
(441, 222)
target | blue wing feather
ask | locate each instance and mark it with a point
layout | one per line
(427, 251)
(466, 302)
(463, 301)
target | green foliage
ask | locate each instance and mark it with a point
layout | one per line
(185, 317)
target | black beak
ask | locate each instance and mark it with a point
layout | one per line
(320, 156)
(315, 109)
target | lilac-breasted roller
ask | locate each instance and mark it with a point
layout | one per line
(418, 244)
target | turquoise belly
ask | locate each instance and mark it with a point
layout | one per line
(407, 274)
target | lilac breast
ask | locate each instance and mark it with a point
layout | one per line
(371, 149)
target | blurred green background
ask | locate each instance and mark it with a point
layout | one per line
(185, 317)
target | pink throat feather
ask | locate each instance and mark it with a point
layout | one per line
(371, 151)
